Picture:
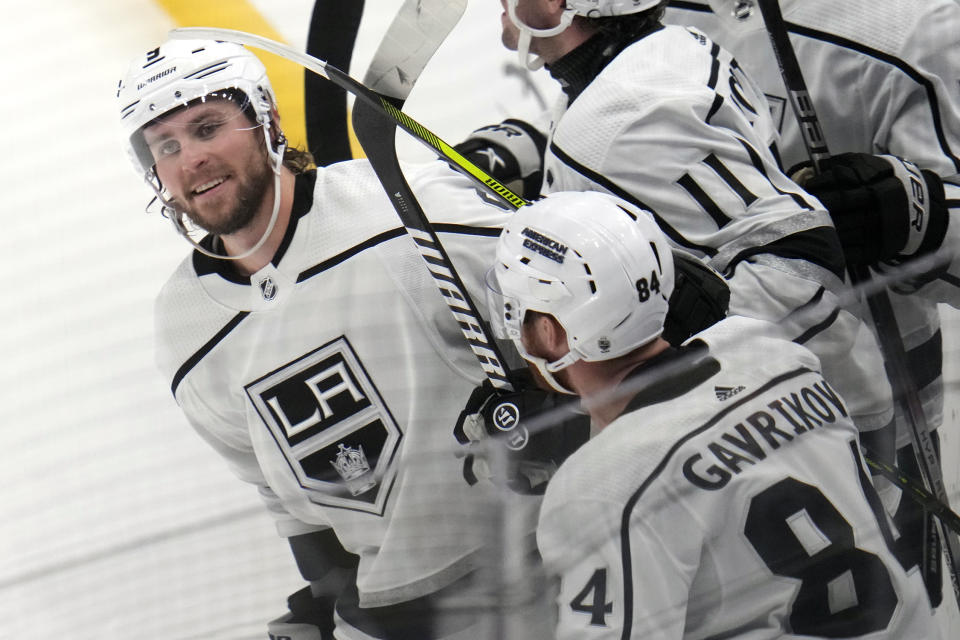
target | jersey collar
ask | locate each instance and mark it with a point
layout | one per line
(670, 374)
(302, 203)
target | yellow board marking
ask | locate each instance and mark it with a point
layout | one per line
(286, 77)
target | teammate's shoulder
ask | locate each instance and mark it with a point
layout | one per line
(901, 28)
(757, 343)
(670, 50)
(448, 196)
(348, 179)
(183, 317)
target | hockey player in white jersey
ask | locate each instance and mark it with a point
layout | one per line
(665, 118)
(307, 343)
(883, 80)
(722, 494)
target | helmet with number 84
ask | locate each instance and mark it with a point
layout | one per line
(600, 266)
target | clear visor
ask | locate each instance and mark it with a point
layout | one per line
(505, 320)
(209, 114)
(511, 292)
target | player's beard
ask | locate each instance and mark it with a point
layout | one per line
(252, 190)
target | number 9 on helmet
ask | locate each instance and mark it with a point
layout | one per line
(600, 266)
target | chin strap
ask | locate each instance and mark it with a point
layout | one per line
(527, 32)
(547, 369)
(176, 216)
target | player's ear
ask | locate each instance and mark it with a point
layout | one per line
(552, 336)
(275, 123)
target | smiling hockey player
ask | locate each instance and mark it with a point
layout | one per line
(307, 343)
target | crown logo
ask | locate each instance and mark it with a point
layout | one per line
(352, 466)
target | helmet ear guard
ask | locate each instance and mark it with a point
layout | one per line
(601, 267)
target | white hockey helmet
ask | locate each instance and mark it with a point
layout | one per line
(596, 263)
(179, 72)
(585, 8)
(176, 74)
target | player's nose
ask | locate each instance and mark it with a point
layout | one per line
(193, 154)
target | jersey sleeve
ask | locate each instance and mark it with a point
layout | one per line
(178, 336)
(923, 112)
(215, 429)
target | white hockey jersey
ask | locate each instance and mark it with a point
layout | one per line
(728, 501)
(883, 78)
(332, 378)
(675, 126)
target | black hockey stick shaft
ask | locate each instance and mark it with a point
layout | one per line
(885, 323)
(361, 93)
(376, 133)
(417, 31)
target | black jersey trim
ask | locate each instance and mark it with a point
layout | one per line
(466, 230)
(714, 67)
(727, 176)
(950, 279)
(819, 246)
(806, 308)
(303, 189)
(618, 191)
(315, 270)
(201, 353)
(894, 61)
(925, 361)
(818, 328)
(706, 203)
(626, 556)
(697, 364)
(689, 6)
(349, 253)
(717, 103)
(204, 265)
(758, 165)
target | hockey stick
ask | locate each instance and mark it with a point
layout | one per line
(916, 491)
(884, 321)
(362, 93)
(376, 132)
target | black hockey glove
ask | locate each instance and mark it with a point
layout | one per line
(533, 430)
(884, 208)
(512, 152)
(699, 300)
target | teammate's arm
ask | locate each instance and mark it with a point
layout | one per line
(919, 115)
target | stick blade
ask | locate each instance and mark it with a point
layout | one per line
(417, 31)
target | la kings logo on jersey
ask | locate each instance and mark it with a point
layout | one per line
(333, 427)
